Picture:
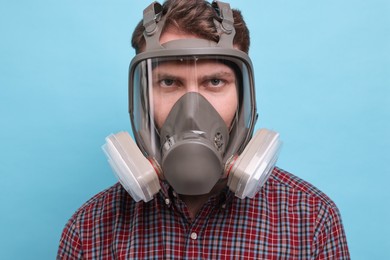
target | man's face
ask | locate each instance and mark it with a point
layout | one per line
(212, 79)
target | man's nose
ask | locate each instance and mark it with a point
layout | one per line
(192, 86)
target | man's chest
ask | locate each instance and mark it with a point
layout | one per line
(218, 233)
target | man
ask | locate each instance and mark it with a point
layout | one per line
(207, 187)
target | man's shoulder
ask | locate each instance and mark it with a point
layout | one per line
(105, 202)
(285, 182)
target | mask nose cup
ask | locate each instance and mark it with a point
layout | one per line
(193, 141)
(192, 167)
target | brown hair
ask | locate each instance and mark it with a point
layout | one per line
(195, 17)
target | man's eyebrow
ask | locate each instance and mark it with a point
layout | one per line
(219, 74)
(163, 74)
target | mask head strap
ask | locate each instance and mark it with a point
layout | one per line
(225, 24)
(153, 22)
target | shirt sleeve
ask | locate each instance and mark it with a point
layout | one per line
(329, 239)
(70, 244)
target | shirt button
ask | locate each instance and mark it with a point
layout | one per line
(167, 201)
(224, 206)
(194, 236)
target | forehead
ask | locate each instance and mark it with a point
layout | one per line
(199, 64)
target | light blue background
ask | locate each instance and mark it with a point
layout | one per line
(323, 79)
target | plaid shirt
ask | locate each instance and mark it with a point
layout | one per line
(288, 219)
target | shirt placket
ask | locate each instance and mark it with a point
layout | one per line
(193, 245)
(195, 230)
(194, 235)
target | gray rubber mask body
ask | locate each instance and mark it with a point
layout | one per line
(193, 140)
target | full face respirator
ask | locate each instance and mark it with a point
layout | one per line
(192, 108)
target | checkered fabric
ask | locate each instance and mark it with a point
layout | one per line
(288, 219)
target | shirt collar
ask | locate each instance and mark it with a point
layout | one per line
(222, 199)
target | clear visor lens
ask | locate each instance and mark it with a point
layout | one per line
(158, 83)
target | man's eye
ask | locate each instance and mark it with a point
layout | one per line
(216, 83)
(167, 82)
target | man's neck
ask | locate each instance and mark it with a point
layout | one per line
(195, 202)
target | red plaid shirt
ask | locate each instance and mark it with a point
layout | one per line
(288, 219)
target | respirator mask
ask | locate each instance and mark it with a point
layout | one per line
(192, 108)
